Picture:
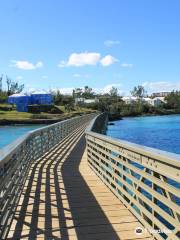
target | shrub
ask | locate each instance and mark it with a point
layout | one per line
(6, 108)
(44, 108)
(39, 116)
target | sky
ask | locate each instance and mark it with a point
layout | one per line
(64, 44)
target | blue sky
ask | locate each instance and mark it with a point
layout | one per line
(65, 43)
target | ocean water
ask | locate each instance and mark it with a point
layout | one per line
(10, 133)
(161, 132)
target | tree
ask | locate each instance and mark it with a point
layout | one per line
(173, 100)
(87, 93)
(113, 92)
(58, 97)
(138, 92)
(77, 93)
(13, 87)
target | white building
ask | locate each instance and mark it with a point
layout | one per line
(86, 101)
(129, 100)
(147, 100)
(157, 101)
(160, 94)
(79, 100)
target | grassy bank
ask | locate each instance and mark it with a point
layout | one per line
(14, 117)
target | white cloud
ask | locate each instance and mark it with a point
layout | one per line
(161, 86)
(66, 91)
(111, 43)
(81, 59)
(107, 88)
(19, 77)
(108, 60)
(103, 90)
(87, 58)
(25, 65)
(126, 65)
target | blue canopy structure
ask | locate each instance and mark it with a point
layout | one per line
(41, 98)
(23, 100)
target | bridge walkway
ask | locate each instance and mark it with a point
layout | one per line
(64, 199)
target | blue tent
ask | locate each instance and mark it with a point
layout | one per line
(41, 98)
(22, 100)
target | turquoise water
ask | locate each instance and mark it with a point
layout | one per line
(10, 133)
(161, 132)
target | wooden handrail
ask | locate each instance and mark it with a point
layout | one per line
(16, 160)
(146, 180)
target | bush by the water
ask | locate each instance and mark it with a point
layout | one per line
(44, 108)
(39, 116)
(6, 107)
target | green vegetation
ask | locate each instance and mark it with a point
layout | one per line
(14, 115)
(138, 92)
(66, 106)
(9, 117)
(117, 108)
(83, 93)
(6, 107)
(173, 100)
(11, 88)
(63, 108)
(44, 108)
(120, 108)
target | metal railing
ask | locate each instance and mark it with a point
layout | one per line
(146, 180)
(16, 159)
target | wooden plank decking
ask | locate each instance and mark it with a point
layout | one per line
(64, 199)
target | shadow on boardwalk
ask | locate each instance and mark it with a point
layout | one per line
(56, 202)
(88, 217)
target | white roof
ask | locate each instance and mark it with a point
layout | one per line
(131, 97)
(147, 99)
(89, 100)
(18, 95)
(40, 92)
(160, 98)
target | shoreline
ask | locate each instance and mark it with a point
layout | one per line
(117, 118)
(9, 122)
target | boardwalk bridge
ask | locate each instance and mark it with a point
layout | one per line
(69, 181)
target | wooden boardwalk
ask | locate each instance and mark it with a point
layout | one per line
(64, 199)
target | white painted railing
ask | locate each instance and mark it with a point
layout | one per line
(16, 159)
(146, 180)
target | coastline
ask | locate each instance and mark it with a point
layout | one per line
(6, 122)
(117, 117)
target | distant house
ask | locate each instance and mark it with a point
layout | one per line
(89, 101)
(23, 100)
(79, 100)
(129, 100)
(157, 101)
(160, 94)
(86, 101)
